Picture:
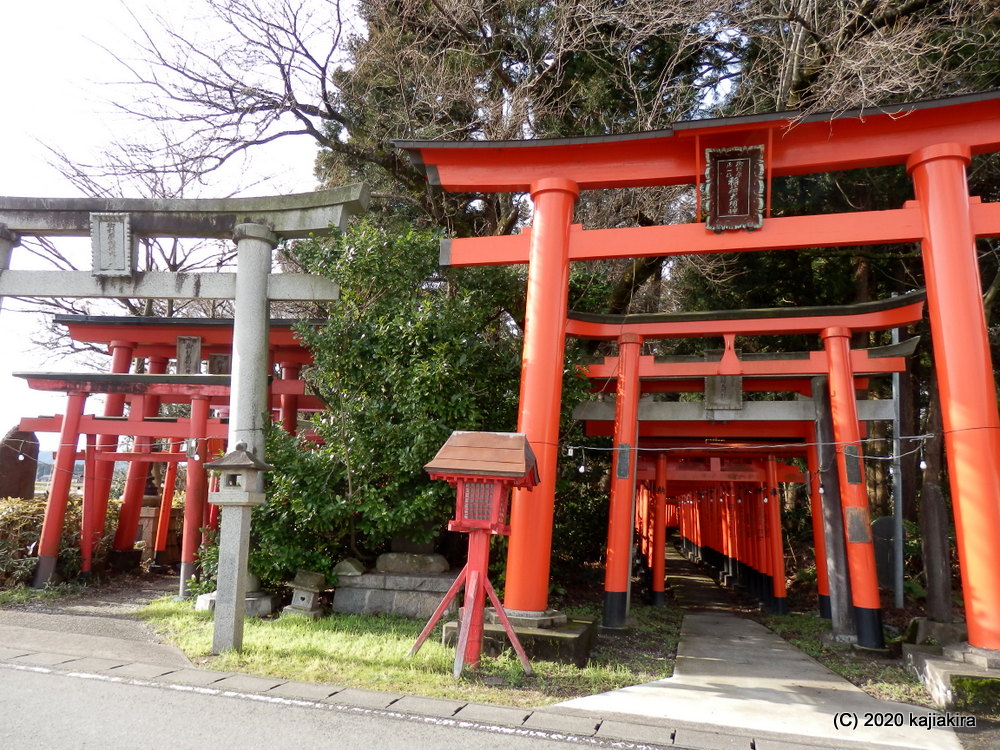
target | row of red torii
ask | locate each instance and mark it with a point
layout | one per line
(934, 140)
(133, 408)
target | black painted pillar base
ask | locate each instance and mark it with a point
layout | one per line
(615, 609)
(45, 571)
(825, 608)
(658, 599)
(778, 605)
(869, 626)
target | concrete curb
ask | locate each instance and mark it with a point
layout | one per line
(612, 730)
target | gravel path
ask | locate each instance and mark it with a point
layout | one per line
(107, 609)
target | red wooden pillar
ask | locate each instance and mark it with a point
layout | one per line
(682, 522)
(739, 536)
(618, 568)
(90, 531)
(196, 491)
(761, 560)
(529, 554)
(114, 406)
(659, 547)
(701, 525)
(777, 545)
(62, 477)
(819, 538)
(965, 376)
(648, 508)
(728, 551)
(289, 408)
(853, 489)
(138, 471)
(166, 505)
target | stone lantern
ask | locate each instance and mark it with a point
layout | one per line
(241, 487)
(241, 478)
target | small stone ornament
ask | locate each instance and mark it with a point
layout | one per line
(305, 595)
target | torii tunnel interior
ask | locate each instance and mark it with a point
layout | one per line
(718, 462)
(137, 392)
(933, 140)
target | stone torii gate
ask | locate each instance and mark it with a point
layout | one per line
(256, 225)
(738, 159)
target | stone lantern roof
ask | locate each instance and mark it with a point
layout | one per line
(238, 459)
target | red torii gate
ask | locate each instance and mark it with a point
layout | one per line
(837, 361)
(154, 340)
(934, 140)
(666, 485)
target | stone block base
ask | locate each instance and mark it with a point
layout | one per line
(570, 643)
(256, 605)
(550, 618)
(384, 593)
(953, 684)
(313, 614)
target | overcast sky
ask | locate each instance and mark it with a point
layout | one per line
(54, 81)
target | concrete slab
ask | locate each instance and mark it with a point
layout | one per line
(93, 664)
(307, 691)
(741, 688)
(12, 653)
(697, 740)
(559, 722)
(633, 732)
(245, 683)
(767, 744)
(202, 677)
(54, 635)
(503, 715)
(43, 659)
(140, 671)
(363, 698)
(413, 704)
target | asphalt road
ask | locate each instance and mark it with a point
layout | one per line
(42, 709)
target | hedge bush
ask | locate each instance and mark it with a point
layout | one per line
(20, 528)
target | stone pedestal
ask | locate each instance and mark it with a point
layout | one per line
(570, 642)
(411, 563)
(409, 595)
(257, 604)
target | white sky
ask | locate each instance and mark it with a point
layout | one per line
(54, 88)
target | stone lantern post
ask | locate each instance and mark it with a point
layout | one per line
(241, 487)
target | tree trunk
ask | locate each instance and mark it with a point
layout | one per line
(934, 517)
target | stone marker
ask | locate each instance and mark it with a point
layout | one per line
(18, 464)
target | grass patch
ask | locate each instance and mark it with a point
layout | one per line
(880, 676)
(21, 595)
(370, 651)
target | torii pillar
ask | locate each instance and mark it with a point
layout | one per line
(853, 490)
(618, 565)
(530, 551)
(659, 532)
(965, 376)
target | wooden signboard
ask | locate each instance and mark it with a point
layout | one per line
(735, 180)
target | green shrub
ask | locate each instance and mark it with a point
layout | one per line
(21, 527)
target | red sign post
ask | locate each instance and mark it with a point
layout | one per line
(482, 467)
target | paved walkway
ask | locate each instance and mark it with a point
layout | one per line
(736, 684)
